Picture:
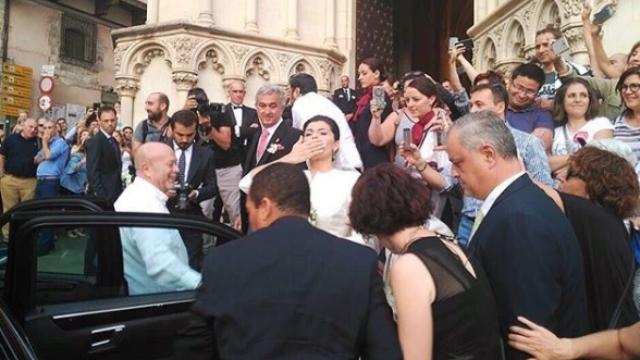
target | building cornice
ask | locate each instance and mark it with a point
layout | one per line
(248, 38)
(498, 15)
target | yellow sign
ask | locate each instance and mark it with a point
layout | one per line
(16, 91)
(17, 70)
(11, 110)
(16, 101)
(9, 79)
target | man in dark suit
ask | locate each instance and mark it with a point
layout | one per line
(196, 180)
(104, 161)
(289, 290)
(345, 98)
(273, 140)
(523, 241)
(244, 118)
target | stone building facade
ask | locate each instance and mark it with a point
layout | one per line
(209, 43)
(40, 32)
(504, 30)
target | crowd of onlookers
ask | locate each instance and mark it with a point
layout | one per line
(499, 214)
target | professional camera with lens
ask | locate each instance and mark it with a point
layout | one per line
(182, 196)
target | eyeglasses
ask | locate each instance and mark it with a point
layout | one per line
(524, 90)
(633, 87)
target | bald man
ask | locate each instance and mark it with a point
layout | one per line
(155, 260)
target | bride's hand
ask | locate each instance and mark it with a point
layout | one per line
(305, 150)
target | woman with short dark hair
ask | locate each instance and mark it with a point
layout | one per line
(443, 301)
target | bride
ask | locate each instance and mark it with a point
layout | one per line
(330, 187)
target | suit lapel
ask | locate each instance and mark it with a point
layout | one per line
(232, 114)
(251, 161)
(513, 188)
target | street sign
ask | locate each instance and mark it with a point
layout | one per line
(10, 79)
(16, 101)
(47, 70)
(17, 70)
(44, 102)
(15, 93)
(16, 90)
(47, 83)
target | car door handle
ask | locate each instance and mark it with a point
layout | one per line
(101, 337)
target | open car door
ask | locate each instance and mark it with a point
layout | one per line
(71, 295)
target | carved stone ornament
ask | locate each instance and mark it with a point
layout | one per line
(239, 51)
(184, 46)
(571, 8)
(146, 58)
(575, 37)
(118, 53)
(184, 80)
(284, 58)
(498, 32)
(211, 57)
(258, 67)
(127, 87)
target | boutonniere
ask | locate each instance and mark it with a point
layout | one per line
(273, 148)
(313, 217)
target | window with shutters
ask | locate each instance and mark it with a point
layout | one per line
(78, 45)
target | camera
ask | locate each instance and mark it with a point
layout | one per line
(182, 196)
(215, 112)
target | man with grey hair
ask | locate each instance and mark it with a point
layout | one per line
(273, 140)
(521, 238)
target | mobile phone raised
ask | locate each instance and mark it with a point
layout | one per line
(604, 14)
(561, 46)
(452, 42)
(406, 137)
(378, 96)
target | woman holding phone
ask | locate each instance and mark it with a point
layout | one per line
(419, 126)
(370, 75)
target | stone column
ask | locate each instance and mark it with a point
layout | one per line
(153, 11)
(330, 24)
(251, 16)
(184, 81)
(127, 89)
(206, 12)
(292, 20)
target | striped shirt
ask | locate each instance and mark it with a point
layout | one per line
(628, 134)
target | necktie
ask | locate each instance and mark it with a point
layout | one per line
(476, 223)
(182, 165)
(262, 144)
(114, 145)
(346, 93)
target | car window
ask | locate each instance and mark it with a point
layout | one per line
(77, 264)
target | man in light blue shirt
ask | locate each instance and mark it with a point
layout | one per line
(155, 259)
(51, 160)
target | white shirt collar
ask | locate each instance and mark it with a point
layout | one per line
(151, 189)
(273, 128)
(105, 133)
(177, 148)
(496, 192)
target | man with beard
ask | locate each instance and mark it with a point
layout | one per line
(196, 178)
(156, 126)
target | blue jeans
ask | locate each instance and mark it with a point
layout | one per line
(46, 188)
(464, 230)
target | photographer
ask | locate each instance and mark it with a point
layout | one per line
(196, 181)
(215, 129)
(156, 127)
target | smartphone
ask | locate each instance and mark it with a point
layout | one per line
(406, 137)
(605, 14)
(467, 43)
(439, 133)
(452, 42)
(561, 46)
(378, 96)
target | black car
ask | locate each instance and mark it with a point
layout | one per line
(72, 301)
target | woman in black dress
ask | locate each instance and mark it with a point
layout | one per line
(444, 305)
(370, 75)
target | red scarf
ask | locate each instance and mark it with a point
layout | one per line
(417, 130)
(364, 101)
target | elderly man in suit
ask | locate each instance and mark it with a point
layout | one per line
(345, 98)
(104, 160)
(289, 290)
(525, 244)
(273, 140)
(196, 180)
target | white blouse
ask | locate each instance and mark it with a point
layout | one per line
(587, 132)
